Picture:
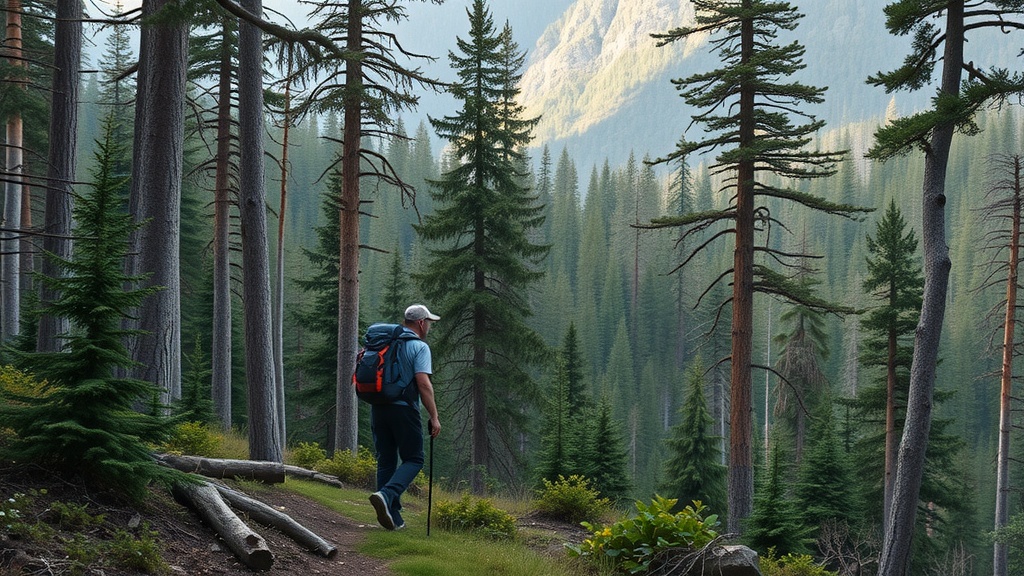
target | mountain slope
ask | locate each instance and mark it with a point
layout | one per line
(589, 64)
(604, 89)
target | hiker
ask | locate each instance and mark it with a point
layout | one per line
(397, 430)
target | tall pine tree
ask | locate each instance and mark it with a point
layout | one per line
(747, 108)
(481, 260)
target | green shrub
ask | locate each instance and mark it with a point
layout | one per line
(478, 516)
(73, 516)
(17, 524)
(81, 552)
(633, 545)
(195, 439)
(571, 499)
(358, 470)
(137, 553)
(792, 565)
(308, 455)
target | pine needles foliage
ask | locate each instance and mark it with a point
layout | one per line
(83, 422)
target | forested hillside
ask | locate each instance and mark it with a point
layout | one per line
(625, 309)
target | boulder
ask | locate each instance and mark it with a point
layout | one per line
(720, 561)
(731, 561)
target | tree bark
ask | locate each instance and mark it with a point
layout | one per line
(10, 271)
(268, 516)
(896, 547)
(347, 413)
(155, 196)
(268, 472)
(278, 311)
(249, 547)
(741, 452)
(264, 442)
(890, 420)
(63, 138)
(1000, 554)
(220, 384)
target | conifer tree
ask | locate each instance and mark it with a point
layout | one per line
(319, 362)
(394, 297)
(83, 421)
(804, 347)
(825, 489)
(481, 261)
(776, 522)
(747, 108)
(609, 465)
(894, 279)
(557, 438)
(694, 470)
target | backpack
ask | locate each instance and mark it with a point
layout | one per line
(377, 378)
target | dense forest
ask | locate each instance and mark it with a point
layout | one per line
(609, 316)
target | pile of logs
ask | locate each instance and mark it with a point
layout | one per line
(215, 504)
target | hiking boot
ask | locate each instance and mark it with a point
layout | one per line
(380, 504)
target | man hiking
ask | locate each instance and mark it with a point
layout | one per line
(397, 429)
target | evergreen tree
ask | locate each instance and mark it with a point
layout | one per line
(380, 84)
(557, 437)
(481, 259)
(894, 280)
(776, 522)
(318, 360)
(825, 489)
(694, 470)
(83, 421)
(394, 297)
(609, 465)
(802, 382)
(747, 107)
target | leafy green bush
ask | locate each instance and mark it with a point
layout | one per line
(571, 499)
(479, 516)
(308, 455)
(633, 545)
(358, 470)
(791, 565)
(193, 438)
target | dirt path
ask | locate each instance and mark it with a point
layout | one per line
(192, 549)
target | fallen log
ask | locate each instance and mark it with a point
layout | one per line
(308, 474)
(268, 516)
(269, 472)
(249, 547)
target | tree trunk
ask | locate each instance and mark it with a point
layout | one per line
(220, 383)
(895, 558)
(890, 421)
(11, 267)
(249, 547)
(347, 416)
(264, 443)
(63, 138)
(278, 311)
(155, 197)
(268, 516)
(741, 468)
(1000, 559)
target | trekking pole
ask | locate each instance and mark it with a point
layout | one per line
(430, 483)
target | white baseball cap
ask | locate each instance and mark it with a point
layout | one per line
(419, 312)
